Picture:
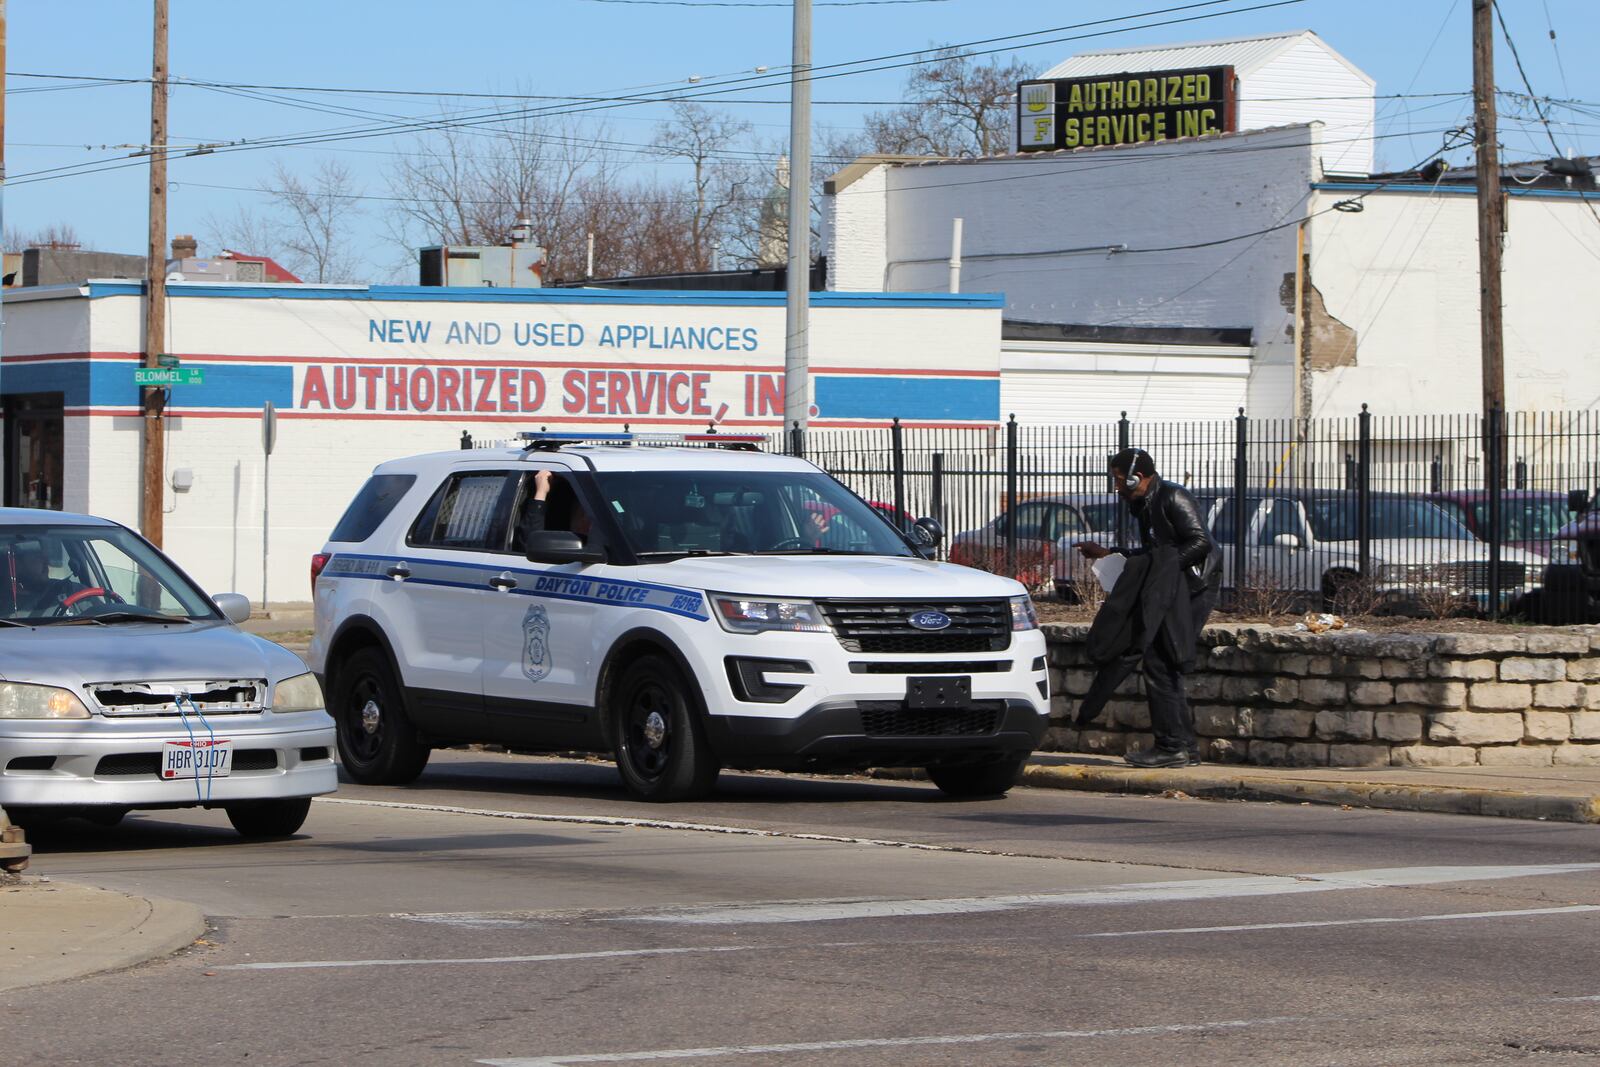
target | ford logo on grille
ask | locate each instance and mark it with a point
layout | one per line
(930, 620)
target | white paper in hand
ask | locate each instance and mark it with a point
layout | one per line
(1108, 569)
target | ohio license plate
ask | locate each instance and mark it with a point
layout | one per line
(200, 758)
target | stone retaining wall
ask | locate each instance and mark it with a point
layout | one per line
(1281, 697)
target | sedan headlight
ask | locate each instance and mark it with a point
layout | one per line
(744, 616)
(1564, 553)
(300, 693)
(1023, 614)
(19, 700)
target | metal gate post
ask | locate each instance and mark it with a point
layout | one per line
(797, 442)
(1011, 497)
(1364, 493)
(1494, 474)
(1241, 485)
(936, 490)
(898, 448)
(1124, 442)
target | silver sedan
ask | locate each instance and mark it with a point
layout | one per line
(123, 686)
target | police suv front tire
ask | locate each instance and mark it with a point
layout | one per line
(377, 743)
(661, 746)
(978, 779)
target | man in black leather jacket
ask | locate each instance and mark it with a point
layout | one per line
(1169, 523)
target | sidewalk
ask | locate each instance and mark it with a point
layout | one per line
(51, 931)
(1557, 794)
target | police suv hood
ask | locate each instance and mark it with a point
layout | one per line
(855, 577)
(70, 655)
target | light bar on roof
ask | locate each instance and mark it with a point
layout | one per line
(700, 438)
(530, 436)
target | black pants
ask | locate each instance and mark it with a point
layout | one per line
(1171, 717)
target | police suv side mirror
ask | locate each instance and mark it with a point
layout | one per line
(926, 531)
(561, 546)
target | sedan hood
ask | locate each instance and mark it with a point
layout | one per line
(1429, 550)
(71, 655)
(856, 577)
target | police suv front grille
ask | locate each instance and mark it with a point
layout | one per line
(885, 625)
(236, 697)
(891, 718)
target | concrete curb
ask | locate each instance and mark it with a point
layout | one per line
(59, 931)
(1449, 800)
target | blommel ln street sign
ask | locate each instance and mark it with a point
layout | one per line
(169, 376)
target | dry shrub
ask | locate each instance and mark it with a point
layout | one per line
(1262, 596)
(1355, 596)
(1035, 564)
(1437, 593)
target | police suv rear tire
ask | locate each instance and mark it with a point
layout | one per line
(978, 779)
(377, 743)
(661, 748)
(269, 818)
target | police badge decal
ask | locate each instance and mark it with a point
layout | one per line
(536, 643)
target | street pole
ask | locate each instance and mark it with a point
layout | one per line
(1491, 206)
(797, 309)
(155, 302)
(14, 851)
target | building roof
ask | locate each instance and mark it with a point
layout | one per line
(1244, 54)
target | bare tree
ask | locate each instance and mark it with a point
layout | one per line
(55, 235)
(307, 224)
(956, 106)
(315, 217)
(720, 180)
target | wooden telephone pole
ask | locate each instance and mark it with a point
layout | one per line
(1491, 206)
(155, 303)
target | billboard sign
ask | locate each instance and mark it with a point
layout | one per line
(1133, 108)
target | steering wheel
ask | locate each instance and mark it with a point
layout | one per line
(81, 595)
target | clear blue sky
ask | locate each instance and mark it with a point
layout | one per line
(585, 47)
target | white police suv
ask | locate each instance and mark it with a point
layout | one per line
(686, 608)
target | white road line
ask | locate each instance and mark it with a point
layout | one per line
(552, 957)
(665, 824)
(1131, 893)
(1351, 922)
(885, 1042)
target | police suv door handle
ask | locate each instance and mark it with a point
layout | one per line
(503, 581)
(399, 572)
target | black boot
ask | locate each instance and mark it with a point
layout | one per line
(1156, 756)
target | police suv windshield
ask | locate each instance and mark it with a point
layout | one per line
(67, 573)
(666, 514)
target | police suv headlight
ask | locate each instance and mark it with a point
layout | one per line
(747, 616)
(19, 700)
(1024, 616)
(300, 693)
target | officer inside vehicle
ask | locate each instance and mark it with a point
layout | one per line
(553, 506)
(34, 592)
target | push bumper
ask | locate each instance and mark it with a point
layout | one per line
(115, 763)
(851, 735)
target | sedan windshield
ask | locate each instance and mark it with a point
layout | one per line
(687, 513)
(66, 573)
(1393, 518)
(1525, 519)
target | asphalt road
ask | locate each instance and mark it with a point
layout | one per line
(522, 911)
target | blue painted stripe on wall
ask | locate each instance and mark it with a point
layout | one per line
(923, 399)
(227, 385)
(558, 296)
(69, 379)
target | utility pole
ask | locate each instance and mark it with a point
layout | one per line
(797, 309)
(13, 843)
(1491, 206)
(155, 297)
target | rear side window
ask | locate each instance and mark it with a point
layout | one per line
(371, 506)
(470, 511)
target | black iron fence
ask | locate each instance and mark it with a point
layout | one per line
(1400, 513)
